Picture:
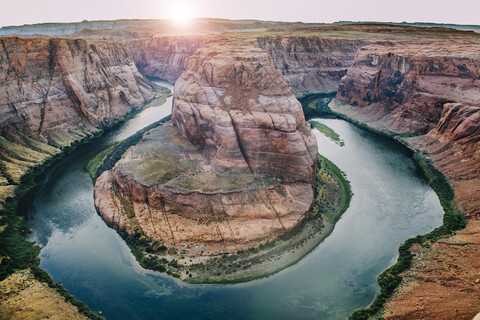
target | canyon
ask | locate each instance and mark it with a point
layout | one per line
(235, 168)
(430, 92)
(419, 84)
(56, 92)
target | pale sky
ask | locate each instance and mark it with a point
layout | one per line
(17, 12)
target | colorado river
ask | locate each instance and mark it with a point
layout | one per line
(390, 204)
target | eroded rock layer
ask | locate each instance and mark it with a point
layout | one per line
(235, 169)
(164, 57)
(55, 92)
(311, 64)
(431, 88)
(405, 86)
(51, 84)
(239, 107)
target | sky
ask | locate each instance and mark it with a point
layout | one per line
(17, 12)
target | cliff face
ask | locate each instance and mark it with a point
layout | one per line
(215, 180)
(311, 64)
(50, 84)
(406, 86)
(308, 64)
(54, 92)
(431, 89)
(238, 105)
(165, 57)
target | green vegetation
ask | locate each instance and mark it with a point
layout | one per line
(328, 132)
(95, 162)
(453, 220)
(325, 187)
(147, 253)
(111, 157)
(16, 253)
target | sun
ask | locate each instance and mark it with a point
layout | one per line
(181, 12)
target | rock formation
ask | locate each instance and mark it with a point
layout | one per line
(311, 64)
(52, 84)
(236, 168)
(405, 86)
(431, 90)
(164, 57)
(54, 92)
(239, 107)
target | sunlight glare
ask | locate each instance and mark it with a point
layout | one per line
(181, 11)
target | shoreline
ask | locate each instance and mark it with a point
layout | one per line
(24, 254)
(453, 218)
(254, 263)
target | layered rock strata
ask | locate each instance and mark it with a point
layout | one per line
(311, 64)
(164, 57)
(234, 170)
(432, 88)
(238, 106)
(405, 86)
(51, 84)
(54, 92)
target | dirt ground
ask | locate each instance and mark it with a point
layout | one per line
(24, 297)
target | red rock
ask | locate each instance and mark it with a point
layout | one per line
(237, 106)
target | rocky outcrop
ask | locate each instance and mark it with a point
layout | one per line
(405, 86)
(453, 146)
(311, 64)
(164, 57)
(235, 169)
(237, 105)
(48, 85)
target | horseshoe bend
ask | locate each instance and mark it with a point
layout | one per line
(232, 186)
(234, 169)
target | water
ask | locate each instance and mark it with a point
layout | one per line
(390, 204)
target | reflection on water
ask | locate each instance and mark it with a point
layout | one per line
(390, 204)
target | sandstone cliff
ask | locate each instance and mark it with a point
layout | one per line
(431, 89)
(236, 168)
(54, 92)
(50, 84)
(405, 86)
(164, 57)
(239, 107)
(311, 64)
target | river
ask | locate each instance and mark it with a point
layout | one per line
(390, 204)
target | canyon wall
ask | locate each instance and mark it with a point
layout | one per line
(54, 92)
(405, 86)
(164, 57)
(311, 64)
(430, 90)
(59, 84)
